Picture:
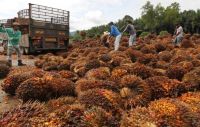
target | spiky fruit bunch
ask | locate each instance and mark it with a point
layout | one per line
(59, 102)
(4, 70)
(84, 85)
(176, 72)
(61, 86)
(4, 62)
(187, 44)
(162, 65)
(192, 78)
(69, 75)
(51, 65)
(138, 117)
(142, 71)
(39, 63)
(92, 64)
(168, 113)
(149, 59)
(19, 116)
(140, 93)
(35, 89)
(101, 97)
(65, 64)
(11, 83)
(65, 116)
(164, 87)
(193, 99)
(101, 73)
(98, 117)
(160, 47)
(22, 69)
(134, 54)
(179, 58)
(69, 115)
(165, 56)
(105, 58)
(196, 63)
(117, 73)
(188, 66)
(117, 61)
(148, 49)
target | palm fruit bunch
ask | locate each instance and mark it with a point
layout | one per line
(160, 47)
(148, 59)
(54, 104)
(176, 72)
(148, 49)
(11, 83)
(192, 78)
(22, 69)
(4, 62)
(19, 116)
(39, 63)
(65, 64)
(50, 65)
(164, 87)
(138, 117)
(117, 73)
(35, 89)
(188, 66)
(196, 63)
(134, 54)
(92, 64)
(108, 100)
(168, 112)
(83, 85)
(161, 65)
(65, 116)
(69, 75)
(98, 117)
(193, 99)
(179, 58)
(101, 73)
(105, 58)
(61, 87)
(165, 56)
(4, 70)
(142, 71)
(134, 91)
(187, 44)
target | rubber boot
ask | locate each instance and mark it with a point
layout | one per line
(20, 63)
(10, 63)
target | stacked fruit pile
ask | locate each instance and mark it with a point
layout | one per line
(150, 84)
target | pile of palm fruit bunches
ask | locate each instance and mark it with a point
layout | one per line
(152, 84)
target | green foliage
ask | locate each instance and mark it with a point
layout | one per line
(163, 33)
(76, 37)
(144, 34)
(155, 19)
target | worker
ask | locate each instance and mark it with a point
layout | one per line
(115, 33)
(132, 32)
(178, 35)
(14, 37)
(105, 39)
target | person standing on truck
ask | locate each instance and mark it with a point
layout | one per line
(14, 37)
(115, 33)
(178, 35)
(132, 31)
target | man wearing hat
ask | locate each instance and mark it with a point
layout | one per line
(14, 37)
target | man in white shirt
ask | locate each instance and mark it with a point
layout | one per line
(179, 35)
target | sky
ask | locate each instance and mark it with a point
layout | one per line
(85, 14)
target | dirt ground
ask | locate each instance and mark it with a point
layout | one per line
(7, 102)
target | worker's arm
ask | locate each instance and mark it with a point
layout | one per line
(112, 31)
(125, 29)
